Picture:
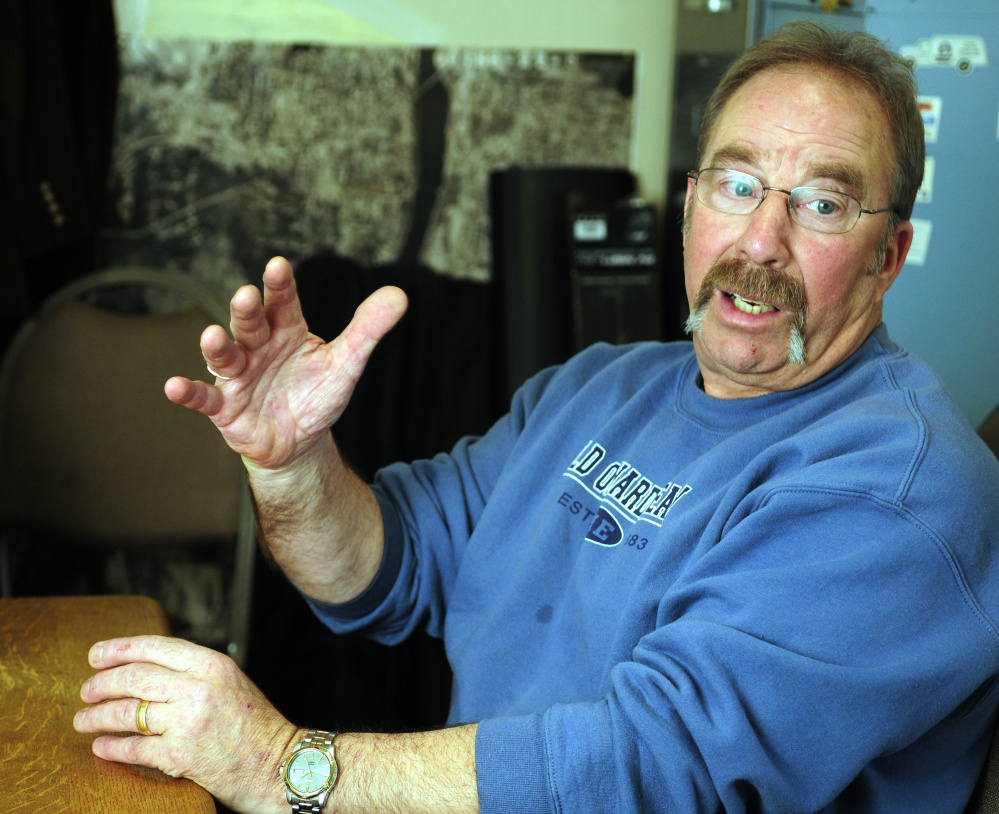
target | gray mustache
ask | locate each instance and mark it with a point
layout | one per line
(756, 283)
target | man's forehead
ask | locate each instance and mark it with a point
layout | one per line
(744, 155)
(748, 129)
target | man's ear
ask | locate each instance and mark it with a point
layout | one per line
(895, 254)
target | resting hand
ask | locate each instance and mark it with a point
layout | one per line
(210, 723)
(279, 387)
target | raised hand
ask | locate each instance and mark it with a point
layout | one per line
(279, 388)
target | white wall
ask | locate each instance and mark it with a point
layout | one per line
(644, 27)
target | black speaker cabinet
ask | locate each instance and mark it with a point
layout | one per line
(531, 211)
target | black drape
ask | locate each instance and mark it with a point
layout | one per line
(58, 87)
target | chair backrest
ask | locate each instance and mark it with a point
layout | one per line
(91, 448)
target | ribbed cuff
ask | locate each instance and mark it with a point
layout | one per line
(512, 767)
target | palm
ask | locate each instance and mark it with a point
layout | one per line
(288, 386)
(269, 418)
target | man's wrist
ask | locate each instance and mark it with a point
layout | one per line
(422, 772)
(306, 466)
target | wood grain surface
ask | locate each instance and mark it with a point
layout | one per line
(45, 765)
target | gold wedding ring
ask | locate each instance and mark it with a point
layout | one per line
(140, 718)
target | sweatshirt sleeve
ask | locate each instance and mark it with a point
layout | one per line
(821, 657)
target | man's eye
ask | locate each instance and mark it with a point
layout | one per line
(827, 206)
(738, 189)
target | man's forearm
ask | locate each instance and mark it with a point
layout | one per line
(320, 522)
(414, 773)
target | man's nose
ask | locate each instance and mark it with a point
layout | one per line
(764, 239)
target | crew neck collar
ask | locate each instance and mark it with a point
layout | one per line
(726, 414)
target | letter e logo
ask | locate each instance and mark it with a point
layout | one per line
(605, 530)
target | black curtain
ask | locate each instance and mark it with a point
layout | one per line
(58, 88)
(428, 384)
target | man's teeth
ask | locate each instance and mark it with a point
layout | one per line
(750, 307)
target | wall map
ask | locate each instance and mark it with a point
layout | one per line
(229, 153)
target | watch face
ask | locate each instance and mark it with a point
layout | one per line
(310, 772)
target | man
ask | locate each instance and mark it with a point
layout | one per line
(752, 575)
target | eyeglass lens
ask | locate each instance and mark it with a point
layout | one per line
(738, 193)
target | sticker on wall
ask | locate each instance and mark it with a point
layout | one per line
(964, 53)
(929, 109)
(925, 193)
(921, 231)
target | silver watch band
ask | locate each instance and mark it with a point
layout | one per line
(318, 739)
(312, 806)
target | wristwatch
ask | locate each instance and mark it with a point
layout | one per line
(310, 772)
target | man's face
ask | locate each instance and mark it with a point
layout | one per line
(820, 294)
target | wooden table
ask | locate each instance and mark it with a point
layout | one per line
(45, 764)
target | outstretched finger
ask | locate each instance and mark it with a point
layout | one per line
(248, 318)
(281, 294)
(223, 357)
(196, 396)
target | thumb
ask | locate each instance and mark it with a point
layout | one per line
(374, 318)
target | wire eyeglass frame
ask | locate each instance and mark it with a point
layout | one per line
(799, 200)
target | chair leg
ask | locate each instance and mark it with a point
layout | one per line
(242, 587)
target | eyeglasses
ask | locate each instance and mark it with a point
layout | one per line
(738, 193)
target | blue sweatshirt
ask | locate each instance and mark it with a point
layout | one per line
(658, 601)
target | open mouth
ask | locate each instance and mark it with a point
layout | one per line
(748, 306)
